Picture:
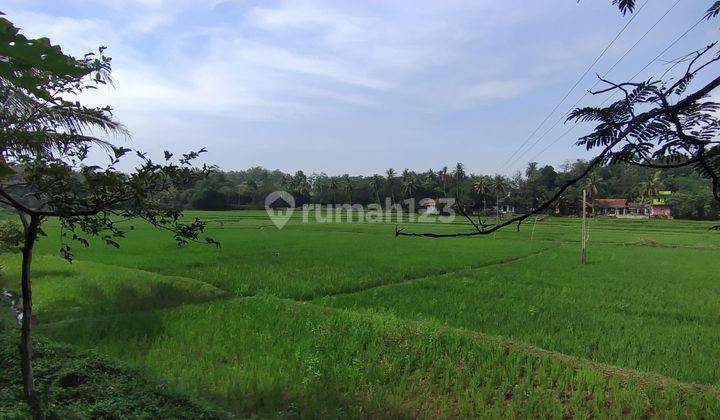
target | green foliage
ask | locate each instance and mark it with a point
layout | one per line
(625, 6)
(10, 235)
(31, 63)
(86, 386)
(248, 188)
(46, 138)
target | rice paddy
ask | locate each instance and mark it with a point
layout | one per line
(347, 320)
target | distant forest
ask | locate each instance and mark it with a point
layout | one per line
(246, 189)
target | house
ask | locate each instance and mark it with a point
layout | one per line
(506, 205)
(428, 206)
(659, 206)
(622, 208)
(610, 206)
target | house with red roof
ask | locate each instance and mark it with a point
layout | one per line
(623, 208)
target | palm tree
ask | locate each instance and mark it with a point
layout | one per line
(427, 183)
(317, 187)
(480, 187)
(375, 183)
(409, 186)
(390, 174)
(650, 187)
(592, 183)
(443, 179)
(286, 181)
(347, 187)
(499, 186)
(304, 189)
(30, 118)
(334, 185)
(459, 177)
(531, 170)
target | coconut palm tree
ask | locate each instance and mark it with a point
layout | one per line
(593, 183)
(304, 189)
(286, 181)
(480, 186)
(443, 179)
(333, 185)
(650, 187)
(375, 183)
(347, 187)
(409, 186)
(500, 186)
(459, 176)
(390, 175)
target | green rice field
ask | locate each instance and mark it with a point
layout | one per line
(347, 320)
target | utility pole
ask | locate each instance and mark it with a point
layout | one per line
(584, 227)
(497, 214)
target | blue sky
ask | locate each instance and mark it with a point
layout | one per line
(357, 87)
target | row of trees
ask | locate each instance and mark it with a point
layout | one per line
(692, 197)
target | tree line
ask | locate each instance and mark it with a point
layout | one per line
(246, 189)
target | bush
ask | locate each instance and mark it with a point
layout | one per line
(10, 235)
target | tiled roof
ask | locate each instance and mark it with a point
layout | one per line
(612, 203)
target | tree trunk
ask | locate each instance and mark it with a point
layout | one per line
(31, 232)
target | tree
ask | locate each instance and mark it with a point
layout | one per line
(444, 176)
(390, 175)
(650, 187)
(480, 187)
(334, 186)
(499, 186)
(347, 186)
(659, 124)
(459, 175)
(409, 186)
(44, 172)
(300, 186)
(592, 183)
(376, 184)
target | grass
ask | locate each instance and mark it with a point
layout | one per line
(301, 261)
(77, 385)
(647, 308)
(344, 319)
(267, 356)
(85, 289)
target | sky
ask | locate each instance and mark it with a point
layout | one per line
(359, 87)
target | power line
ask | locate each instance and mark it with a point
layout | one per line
(666, 49)
(576, 83)
(604, 75)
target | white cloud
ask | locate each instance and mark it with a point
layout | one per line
(186, 68)
(306, 17)
(505, 89)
